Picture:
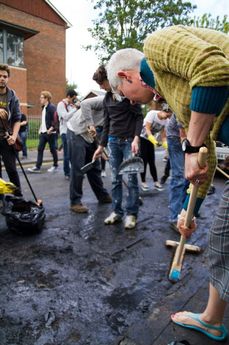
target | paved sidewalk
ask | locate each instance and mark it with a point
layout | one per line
(32, 157)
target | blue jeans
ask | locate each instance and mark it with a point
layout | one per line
(23, 136)
(121, 150)
(178, 184)
(81, 153)
(66, 162)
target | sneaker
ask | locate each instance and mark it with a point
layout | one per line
(79, 208)
(105, 200)
(53, 169)
(163, 179)
(130, 222)
(144, 187)
(158, 186)
(34, 170)
(103, 173)
(113, 218)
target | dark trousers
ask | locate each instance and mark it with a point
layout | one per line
(81, 153)
(65, 154)
(9, 159)
(45, 138)
(23, 136)
(148, 156)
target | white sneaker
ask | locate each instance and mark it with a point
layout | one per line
(144, 187)
(34, 170)
(158, 186)
(103, 173)
(112, 219)
(130, 222)
(53, 169)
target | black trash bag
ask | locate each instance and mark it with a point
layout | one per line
(23, 217)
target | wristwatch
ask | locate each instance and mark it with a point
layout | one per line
(188, 148)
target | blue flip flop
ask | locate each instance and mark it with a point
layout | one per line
(196, 317)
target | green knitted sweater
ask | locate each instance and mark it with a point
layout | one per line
(182, 58)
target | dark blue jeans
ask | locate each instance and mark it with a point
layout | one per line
(66, 164)
(45, 138)
(81, 153)
(23, 136)
(178, 183)
(121, 150)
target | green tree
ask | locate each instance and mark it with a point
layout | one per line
(71, 86)
(207, 21)
(126, 23)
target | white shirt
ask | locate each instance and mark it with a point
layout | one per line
(65, 114)
(156, 123)
(43, 128)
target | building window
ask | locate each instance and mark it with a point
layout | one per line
(11, 49)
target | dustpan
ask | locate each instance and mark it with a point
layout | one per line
(133, 165)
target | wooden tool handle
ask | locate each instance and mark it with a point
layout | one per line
(222, 172)
(202, 158)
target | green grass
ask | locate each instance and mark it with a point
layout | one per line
(32, 143)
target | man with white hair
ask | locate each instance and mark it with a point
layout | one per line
(189, 68)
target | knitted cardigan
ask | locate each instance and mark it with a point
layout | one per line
(182, 58)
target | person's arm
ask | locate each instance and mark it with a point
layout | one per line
(88, 106)
(11, 139)
(63, 113)
(199, 127)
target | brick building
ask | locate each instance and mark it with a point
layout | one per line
(32, 43)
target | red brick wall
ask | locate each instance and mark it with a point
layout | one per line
(18, 82)
(44, 56)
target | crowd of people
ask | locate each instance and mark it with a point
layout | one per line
(188, 81)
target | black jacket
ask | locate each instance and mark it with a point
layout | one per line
(49, 116)
(13, 107)
(122, 119)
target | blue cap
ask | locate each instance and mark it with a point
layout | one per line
(146, 73)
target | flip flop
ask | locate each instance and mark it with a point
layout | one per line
(196, 317)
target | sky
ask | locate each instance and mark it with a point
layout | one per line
(81, 64)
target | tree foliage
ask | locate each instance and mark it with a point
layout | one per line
(71, 86)
(207, 21)
(126, 23)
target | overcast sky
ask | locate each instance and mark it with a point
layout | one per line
(81, 64)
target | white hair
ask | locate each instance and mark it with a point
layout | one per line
(122, 60)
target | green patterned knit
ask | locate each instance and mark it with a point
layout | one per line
(185, 57)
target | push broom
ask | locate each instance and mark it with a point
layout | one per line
(175, 271)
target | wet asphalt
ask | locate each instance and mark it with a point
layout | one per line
(80, 282)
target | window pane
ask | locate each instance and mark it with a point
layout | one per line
(1, 46)
(15, 48)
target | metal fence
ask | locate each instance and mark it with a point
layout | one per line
(33, 127)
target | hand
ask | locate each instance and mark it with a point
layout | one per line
(98, 153)
(135, 145)
(50, 130)
(11, 139)
(153, 140)
(185, 231)
(39, 202)
(193, 172)
(3, 114)
(164, 144)
(92, 131)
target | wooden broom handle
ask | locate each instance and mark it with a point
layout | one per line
(202, 158)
